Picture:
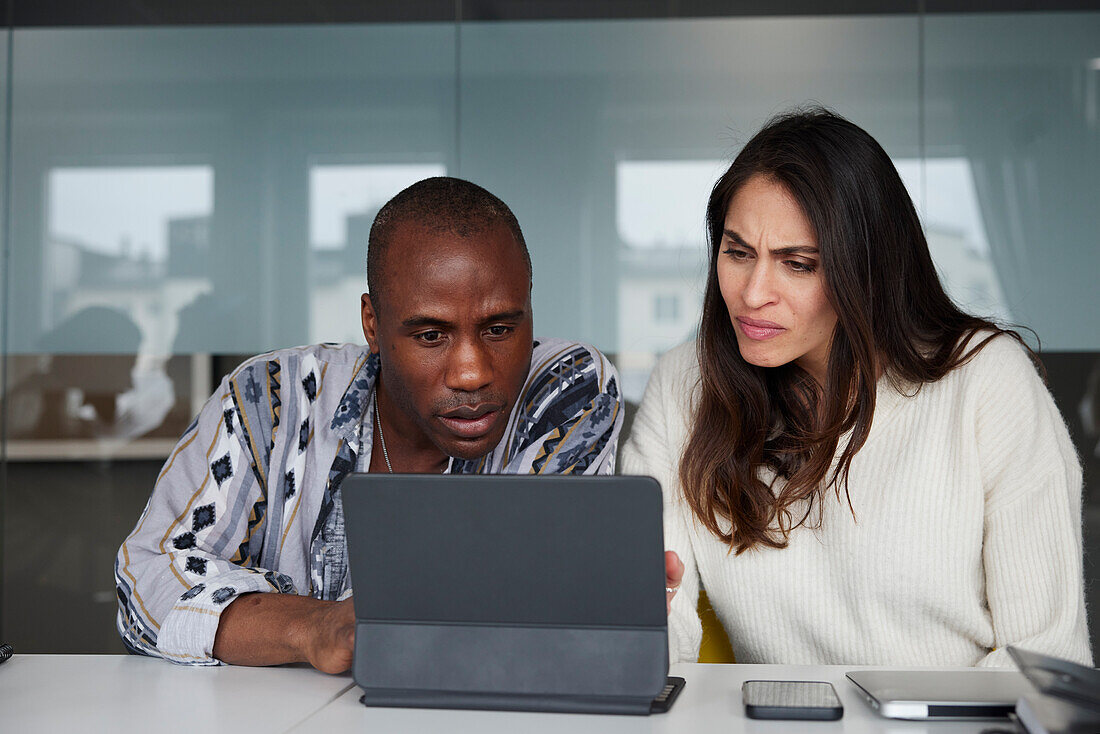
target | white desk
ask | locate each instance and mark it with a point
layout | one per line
(126, 693)
(121, 693)
(709, 704)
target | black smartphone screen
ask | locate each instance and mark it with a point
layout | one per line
(791, 699)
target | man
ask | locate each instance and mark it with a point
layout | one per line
(452, 381)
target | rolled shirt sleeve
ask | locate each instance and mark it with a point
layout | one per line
(189, 555)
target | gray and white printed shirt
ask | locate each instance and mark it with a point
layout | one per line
(249, 499)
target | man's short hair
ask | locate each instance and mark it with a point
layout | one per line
(440, 204)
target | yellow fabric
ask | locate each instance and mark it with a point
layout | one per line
(715, 647)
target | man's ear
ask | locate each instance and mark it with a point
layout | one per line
(370, 322)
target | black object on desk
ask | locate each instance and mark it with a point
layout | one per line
(508, 592)
(1067, 697)
(6, 652)
(805, 700)
(1059, 678)
(673, 685)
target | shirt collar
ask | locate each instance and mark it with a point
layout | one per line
(356, 399)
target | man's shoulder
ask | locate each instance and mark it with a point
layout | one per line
(552, 349)
(262, 382)
(568, 362)
(327, 354)
(568, 417)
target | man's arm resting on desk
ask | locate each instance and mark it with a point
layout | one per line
(271, 629)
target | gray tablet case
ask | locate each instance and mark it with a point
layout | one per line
(508, 592)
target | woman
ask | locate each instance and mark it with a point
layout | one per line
(855, 470)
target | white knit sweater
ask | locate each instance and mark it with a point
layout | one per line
(966, 535)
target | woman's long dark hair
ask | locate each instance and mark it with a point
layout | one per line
(893, 319)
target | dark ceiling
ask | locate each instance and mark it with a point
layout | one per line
(40, 13)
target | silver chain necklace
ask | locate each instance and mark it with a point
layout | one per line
(382, 439)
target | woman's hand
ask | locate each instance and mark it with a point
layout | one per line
(674, 574)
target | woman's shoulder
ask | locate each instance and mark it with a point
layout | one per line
(993, 366)
(998, 357)
(1000, 380)
(677, 369)
(680, 357)
(659, 429)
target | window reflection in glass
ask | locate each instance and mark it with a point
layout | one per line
(662, 203)
(956, 235)
(343, 201)
(660, 208)
(666, 307)
(135, 239)
(126, 249)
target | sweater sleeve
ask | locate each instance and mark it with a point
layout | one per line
(1032, 548)
(653, 449)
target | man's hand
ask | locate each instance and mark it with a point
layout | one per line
(272, 629)
(674, 574)
(330, 637)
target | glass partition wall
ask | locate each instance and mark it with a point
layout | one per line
(181, 197)
(176, 198)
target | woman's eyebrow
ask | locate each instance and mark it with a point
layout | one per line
(779, 251)
(796, 250)
(738, 239)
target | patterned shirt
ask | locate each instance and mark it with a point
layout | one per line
(249, 499)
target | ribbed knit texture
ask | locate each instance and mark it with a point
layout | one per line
(966, 535)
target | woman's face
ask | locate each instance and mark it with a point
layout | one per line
(769, 272)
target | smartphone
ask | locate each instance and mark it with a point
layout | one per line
(791, 699)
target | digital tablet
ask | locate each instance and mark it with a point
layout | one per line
(538, 593)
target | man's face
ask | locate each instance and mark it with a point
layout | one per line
(453, 330)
